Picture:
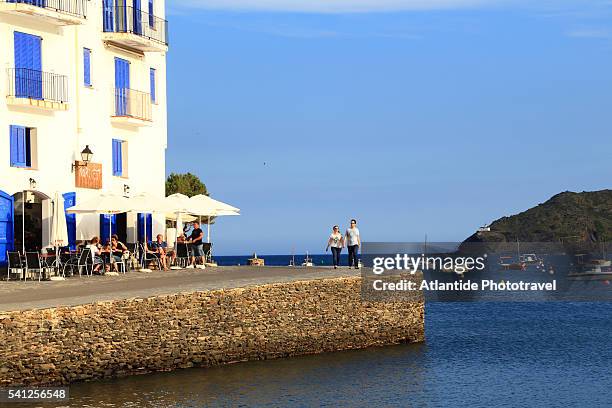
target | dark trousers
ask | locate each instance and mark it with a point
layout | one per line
(352, 255)
(336, 255)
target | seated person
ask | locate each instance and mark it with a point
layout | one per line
(117, 250)
(96, 254)
(160, 247)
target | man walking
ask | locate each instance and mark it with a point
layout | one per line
(353, 242)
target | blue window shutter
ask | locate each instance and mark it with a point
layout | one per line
(117, 158)
(151, 19)
(152, 78)
(18, 146)
(114, 157)
(87, 66)
(34, 52)
(107, 7)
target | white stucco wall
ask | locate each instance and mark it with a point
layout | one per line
(61, 135)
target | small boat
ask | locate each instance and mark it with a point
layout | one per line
(504, 262)
(255, 261)
(530, 259)
(307, 261)
(292, 261)
(593, 268)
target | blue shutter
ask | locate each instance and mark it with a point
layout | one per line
(108, 226)
(87, 66)
(149, 227)
(6, 225)
(122, 84)
(117, 158)
(107, 15)
(28, 66)
(152, 79)
(137, 16)
(18, 146)
(36, 83)
(140, 227)
(69, 201)
(151, 18)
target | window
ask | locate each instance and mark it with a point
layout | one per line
(22, 146)
(151, 17)
(152, 78)
(86, 66)
(119, 158)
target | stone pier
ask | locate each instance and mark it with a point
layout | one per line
(134, 324)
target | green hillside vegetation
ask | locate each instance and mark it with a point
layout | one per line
(582, 219)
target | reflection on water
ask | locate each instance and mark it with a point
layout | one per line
(477, 355)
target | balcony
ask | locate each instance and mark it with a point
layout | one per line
(45, 90)
(133, 28)
(131, 107)
(56, 12)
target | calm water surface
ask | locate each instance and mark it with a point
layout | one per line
(476, 354)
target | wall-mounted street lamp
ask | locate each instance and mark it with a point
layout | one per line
(32, 183)
(126, 189)
(86, 156)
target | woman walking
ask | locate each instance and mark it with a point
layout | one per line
(336, 242)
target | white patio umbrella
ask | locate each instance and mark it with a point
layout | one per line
(59, 229)
(181, 208)
(209, 207)
(105, 203)
(148, 203)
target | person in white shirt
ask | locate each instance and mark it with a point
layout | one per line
(353, 242)
(336, 242)
(96, 254)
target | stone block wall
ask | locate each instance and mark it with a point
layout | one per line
(132, 336)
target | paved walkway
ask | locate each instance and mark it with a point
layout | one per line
(75, 290)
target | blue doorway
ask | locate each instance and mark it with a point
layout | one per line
(7, 213)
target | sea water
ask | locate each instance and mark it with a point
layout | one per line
(480, 354)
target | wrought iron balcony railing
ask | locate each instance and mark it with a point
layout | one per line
(76, 8)
(33, 84)
(126, 19)
(132, 104)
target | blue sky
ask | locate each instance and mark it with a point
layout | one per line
(414, 117)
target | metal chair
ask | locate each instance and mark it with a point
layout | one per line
(34, 264)
(112, 261)
(182, 254)
(146, 257)
(81, 261)
(207, 246)
(15, 265)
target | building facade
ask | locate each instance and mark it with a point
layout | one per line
(79, 76)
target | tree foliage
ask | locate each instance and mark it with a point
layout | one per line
(187, 183)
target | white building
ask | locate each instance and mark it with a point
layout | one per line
(78, 73)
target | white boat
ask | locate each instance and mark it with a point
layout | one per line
(530, 259)
(307, 261)
(593, 268)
